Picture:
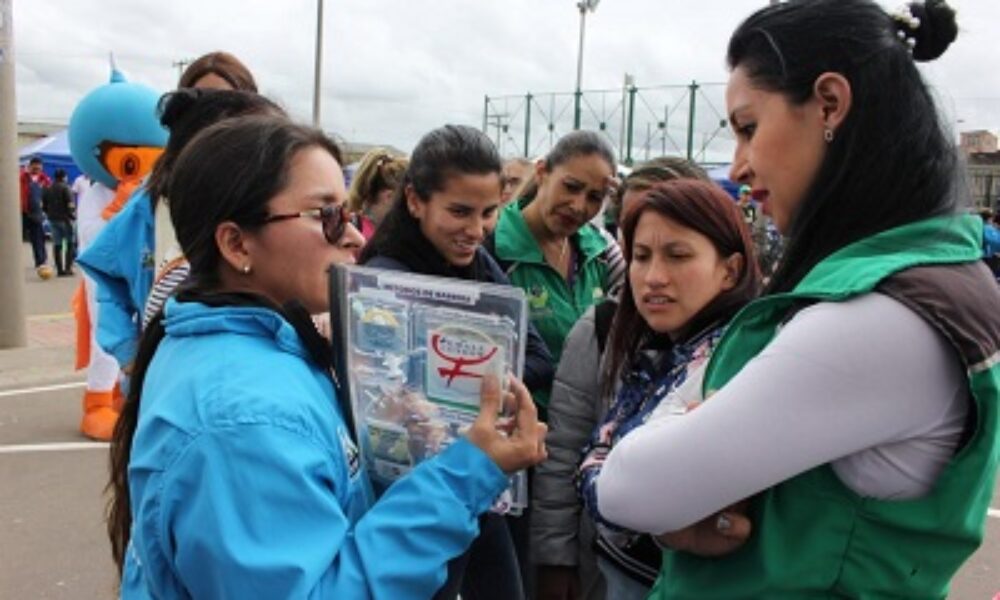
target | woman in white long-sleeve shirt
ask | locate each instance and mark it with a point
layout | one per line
(856, 404)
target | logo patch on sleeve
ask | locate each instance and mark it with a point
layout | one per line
(351, 455)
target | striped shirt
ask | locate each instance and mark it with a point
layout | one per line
(172, 273)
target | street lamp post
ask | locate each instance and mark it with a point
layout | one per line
(317, 77)
(585, 6)
(13, 326)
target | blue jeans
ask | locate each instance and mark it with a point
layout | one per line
(36, 235)
(63, 244)
(488, 570)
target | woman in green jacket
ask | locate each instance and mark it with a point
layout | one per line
(547, 246)
(854, 407)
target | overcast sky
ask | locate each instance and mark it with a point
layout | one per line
(394, 69)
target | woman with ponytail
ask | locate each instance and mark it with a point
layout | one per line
(443, 209)
(855, 407)
(235, 473)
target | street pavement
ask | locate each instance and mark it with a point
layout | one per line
(52, 537)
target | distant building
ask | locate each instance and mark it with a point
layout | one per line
(977, 142)
(983, 170)
(32, 131)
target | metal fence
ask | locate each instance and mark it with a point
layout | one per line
(639, 122)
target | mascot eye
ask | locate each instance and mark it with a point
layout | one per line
(126, 163)
(130, 165)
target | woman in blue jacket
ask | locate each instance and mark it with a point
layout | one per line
(234, 473)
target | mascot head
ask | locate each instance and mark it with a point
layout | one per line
(114, 133)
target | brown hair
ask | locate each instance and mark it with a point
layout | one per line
(707, 209)
(664, 168)
(378, 171)
(222, 64)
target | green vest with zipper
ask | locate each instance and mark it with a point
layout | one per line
(813, 536)
(554, 305)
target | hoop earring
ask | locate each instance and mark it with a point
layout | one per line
(828, 135)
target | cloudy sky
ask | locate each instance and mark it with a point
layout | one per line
(394, 69)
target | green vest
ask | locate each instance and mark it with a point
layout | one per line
(553, 305)
(814, 537)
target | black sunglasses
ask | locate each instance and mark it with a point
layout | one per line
(333, 216)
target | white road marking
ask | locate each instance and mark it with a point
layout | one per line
(54, 447)
(50, 317)
(43, 388)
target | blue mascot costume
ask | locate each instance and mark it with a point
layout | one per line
(114, 137)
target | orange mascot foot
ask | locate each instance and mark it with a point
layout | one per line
(118, 399)
(99, 416)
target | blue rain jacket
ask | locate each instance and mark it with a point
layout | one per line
(245, 484)
(120, 260)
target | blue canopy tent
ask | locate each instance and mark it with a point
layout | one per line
(720, 175)
(54, 152)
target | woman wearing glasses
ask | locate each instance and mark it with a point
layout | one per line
(233, 472)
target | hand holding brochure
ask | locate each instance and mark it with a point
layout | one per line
(415, 351)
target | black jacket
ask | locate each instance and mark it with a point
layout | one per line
(57, 202)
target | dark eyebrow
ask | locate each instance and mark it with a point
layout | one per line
(324, 198)
(732, 115)
(668, 246)
(677, 246)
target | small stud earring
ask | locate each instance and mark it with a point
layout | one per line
(246, 269)
(828, 135)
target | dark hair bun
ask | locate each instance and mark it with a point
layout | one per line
(174, 104)
(937, 29)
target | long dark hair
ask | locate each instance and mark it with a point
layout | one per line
(229, 172)
(707, 209)
(186, 112)
(569, 146)
(891, 162)
(443, 153)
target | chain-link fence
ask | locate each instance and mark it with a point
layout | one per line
(640, 123)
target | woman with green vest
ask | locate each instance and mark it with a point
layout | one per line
(852, 411)
(546, 244)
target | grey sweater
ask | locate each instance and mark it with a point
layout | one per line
(561, 532)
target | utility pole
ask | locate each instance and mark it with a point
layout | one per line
(584, 6)
(13, 328)
(317, 77)
(498, 119)
(629, 83)
(181, 65)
